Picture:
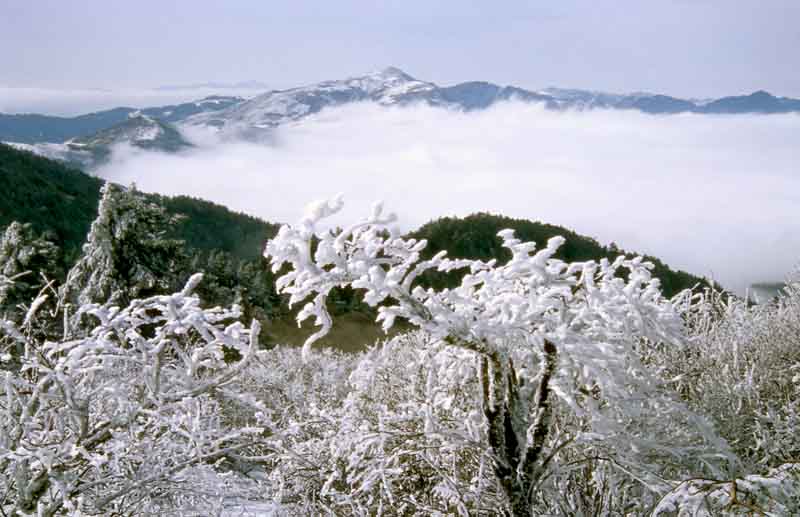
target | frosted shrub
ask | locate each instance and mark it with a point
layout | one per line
(406, 440)
(121, 421)
(744, 373)
(546, 338)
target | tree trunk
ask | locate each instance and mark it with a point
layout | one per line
(515, 454)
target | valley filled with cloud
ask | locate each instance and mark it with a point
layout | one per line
(714, 195)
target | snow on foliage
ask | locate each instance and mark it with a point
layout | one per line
(26, 260)
(126, 254)
(115, 421)
(548, 336)
(535, 387)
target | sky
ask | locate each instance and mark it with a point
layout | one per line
(713, 195)
(689, 48)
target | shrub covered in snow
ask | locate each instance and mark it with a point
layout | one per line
(554, 349)
(535, 387)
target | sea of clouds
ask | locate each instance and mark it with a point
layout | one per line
(714, 195)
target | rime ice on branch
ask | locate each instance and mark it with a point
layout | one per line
(110, 422)
(582, 320)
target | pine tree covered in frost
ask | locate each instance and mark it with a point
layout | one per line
(28, 259)
(127, 253)
(131, 416)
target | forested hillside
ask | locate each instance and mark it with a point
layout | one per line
(56, 198)
(52, 197)
(475, 237)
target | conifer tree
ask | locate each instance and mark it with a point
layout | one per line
(127, 253)
(28, 259)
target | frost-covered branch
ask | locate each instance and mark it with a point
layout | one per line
(584, 321)
(114, 418)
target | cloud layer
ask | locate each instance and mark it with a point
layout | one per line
(712, 195)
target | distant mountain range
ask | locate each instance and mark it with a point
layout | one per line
(138, 130)
(94, 133)
(393, 87)
(32, 128)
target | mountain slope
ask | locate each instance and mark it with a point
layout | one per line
(140, 131)
(62, 200)
(475, 237)
(32, 128)
(390, 86)
(757, 102)
(87, 152)
(53, 197)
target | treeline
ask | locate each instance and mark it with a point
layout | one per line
(475, 237)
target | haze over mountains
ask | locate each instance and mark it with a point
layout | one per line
(237, 117)
(712, 189)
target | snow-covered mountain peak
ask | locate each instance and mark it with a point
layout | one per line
(390, 75)
(393, 87)
(382, 86)
(388, 86)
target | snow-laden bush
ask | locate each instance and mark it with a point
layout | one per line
(125, 419)
(405, 440)
(26, 261)
(555, 354)
(743, 372)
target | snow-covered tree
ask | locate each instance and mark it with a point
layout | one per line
(127, 253)
(30, 260)
(547, 337)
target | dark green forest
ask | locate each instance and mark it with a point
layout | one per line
(475, 237)
(62, 201)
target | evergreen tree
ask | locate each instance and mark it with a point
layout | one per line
(28, 259)
(127, 253)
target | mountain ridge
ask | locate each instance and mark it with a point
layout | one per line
(390, 86)
(31, 128)
(393, 87)
(237, 117)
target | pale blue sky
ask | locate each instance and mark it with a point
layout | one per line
(680, 47)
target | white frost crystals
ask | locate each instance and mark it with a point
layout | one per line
(536, 325)
(112, 422)
(532, 387)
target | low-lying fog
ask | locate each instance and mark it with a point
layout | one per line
(714, 195)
